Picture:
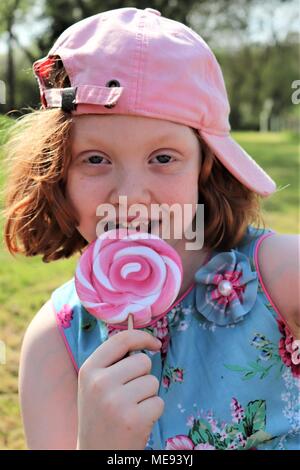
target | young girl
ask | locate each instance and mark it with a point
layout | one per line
(134, 104)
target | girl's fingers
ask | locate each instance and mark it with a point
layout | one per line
(151, 409)
(142, 388)
(116, 347)
(130, 368)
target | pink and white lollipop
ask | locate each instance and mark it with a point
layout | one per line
(126, 274)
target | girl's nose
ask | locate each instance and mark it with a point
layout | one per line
(134, 186)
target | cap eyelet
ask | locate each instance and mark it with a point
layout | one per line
(111, 84)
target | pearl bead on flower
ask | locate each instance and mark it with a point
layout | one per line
(225, 288)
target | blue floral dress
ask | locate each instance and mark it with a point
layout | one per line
(229, 369)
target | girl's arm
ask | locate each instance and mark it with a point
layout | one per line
(278, 259)
(47, 386)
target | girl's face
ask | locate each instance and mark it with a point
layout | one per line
(151, 161)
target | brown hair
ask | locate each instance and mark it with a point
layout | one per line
(39, 219)
(229, 206)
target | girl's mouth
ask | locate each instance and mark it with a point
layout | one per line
(151, 226)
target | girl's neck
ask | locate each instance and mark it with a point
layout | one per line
(192, 260)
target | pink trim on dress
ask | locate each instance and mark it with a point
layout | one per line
(258, 243)
(65, 340)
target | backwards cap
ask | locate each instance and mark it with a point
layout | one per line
(136, 62)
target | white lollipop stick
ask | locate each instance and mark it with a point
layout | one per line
(130, 327)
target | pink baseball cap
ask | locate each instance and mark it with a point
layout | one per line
(136, 62)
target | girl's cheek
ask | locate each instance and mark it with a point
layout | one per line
(78, 188)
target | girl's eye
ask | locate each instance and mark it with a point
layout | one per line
(94, 159)
(97, 159)
(163, 158)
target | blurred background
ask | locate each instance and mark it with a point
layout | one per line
(257, 45)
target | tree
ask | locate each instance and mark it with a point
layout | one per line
(256, 73)
(9, 11)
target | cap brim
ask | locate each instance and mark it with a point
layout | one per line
(239, 163)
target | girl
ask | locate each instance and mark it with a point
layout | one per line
(134, 104)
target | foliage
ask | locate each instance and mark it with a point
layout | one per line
(254, 73)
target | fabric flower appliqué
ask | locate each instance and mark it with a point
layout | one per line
(289, 349)
(226, 288)
(65, 316)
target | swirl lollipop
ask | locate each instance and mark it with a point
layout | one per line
(126, 276)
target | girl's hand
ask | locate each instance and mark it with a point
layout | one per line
(117, 397)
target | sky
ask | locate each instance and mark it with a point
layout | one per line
(282, 17)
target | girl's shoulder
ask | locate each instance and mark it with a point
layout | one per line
(278, 268)
(275, 258)
(47, 385)
(43, 338)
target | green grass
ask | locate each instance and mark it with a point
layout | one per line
(26, 283)
(278, 154)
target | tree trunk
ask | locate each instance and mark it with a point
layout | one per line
(10, 77)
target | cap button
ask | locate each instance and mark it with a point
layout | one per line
(151, 10)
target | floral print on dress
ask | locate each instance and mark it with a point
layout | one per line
(161, 331)
(179, 318)
(286, 352)
(245, 432)
(65, 316)
(172, 375)
(267, 358)
(291, 410)
(289, 349)
(226, 288)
